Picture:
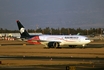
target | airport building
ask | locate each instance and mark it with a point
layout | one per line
(13, 36)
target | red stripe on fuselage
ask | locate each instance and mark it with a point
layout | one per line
(35, 38)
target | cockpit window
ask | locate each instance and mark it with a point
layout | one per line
(87, 39)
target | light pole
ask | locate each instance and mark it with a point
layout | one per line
(68, 31)
(87, 31)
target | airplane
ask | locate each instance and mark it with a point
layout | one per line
(54, 41)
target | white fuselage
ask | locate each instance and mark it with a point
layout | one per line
(63, 39)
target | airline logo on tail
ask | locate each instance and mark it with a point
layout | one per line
(22, 30)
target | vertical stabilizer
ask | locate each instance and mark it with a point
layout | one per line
(23, 32)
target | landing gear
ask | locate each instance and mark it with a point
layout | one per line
(53, 45)
(56, 45)
(83, 46)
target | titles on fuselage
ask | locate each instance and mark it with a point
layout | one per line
(71, 37)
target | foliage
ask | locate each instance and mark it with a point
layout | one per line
(58, 31)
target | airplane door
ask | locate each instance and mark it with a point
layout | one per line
(79, 39)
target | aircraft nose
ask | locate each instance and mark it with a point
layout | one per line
(89, 41)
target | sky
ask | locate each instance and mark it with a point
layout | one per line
(83, 14)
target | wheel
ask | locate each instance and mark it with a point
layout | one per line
(56, 44)
(53, 44)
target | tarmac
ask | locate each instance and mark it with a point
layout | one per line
(21, 55)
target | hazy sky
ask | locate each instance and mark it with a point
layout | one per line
(52, 13)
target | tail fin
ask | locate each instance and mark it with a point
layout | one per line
(23, 32)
